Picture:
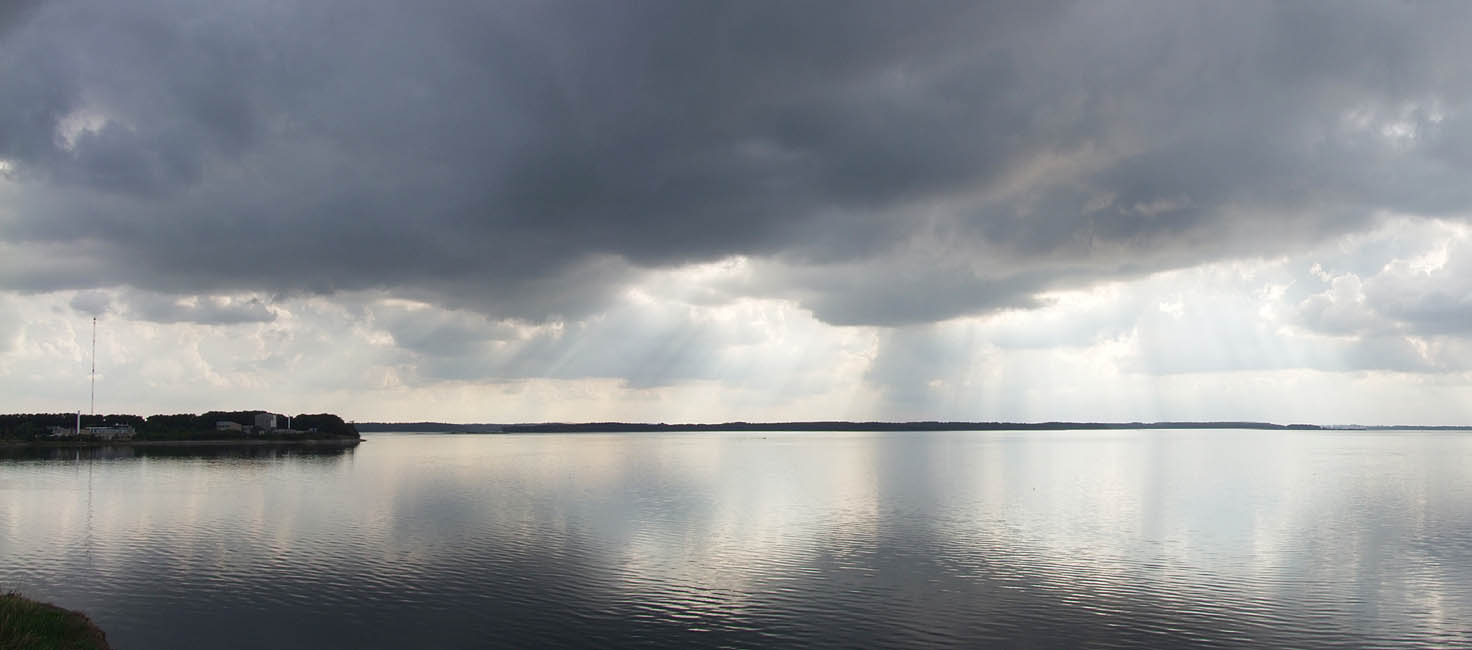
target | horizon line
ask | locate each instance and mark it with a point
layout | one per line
(935, 425)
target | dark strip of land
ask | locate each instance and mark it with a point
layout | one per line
(212, 427)
(622, 427)
(29, 625)
(890, 426)
(202, 442)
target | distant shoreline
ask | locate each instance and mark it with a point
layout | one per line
(636, 427)
(243, 442)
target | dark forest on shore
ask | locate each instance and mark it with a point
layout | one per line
(179, 426)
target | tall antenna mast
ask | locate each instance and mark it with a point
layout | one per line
(94, 366)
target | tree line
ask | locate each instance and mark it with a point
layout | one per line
(180, 426)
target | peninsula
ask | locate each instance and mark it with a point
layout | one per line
(212, 427)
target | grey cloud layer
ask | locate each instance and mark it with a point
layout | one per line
(887, 163)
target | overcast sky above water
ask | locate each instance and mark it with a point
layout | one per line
(510, 211)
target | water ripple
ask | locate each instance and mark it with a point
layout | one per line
(797, 540)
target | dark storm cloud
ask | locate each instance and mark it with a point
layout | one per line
(15, 11)
(91, 303)
(158, 308)
(886, 162)
(204, 310)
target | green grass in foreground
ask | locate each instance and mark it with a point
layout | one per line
(29, 625)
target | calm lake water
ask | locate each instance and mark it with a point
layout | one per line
(1210, 539)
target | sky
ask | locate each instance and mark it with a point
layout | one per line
(707, 211)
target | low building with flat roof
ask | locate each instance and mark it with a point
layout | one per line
(266, 421)
(113, 432)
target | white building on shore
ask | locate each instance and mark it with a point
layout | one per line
(111, 432)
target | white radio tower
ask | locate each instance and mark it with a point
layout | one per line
(94, 366)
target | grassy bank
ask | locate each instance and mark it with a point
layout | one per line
(28, 625)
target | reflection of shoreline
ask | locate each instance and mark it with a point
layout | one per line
(244, 442)
(126, 452)
(180, 448)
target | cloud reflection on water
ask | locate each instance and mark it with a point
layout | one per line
(1087, 539)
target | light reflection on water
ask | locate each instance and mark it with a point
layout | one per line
(1044, 539)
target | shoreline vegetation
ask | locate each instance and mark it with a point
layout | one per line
(838, 425)
(223, 442)
(255, 428)
(27, 624)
